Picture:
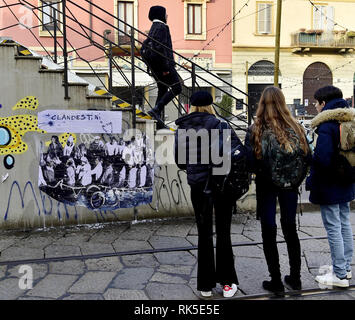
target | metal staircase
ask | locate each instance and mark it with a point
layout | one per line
(112, 49)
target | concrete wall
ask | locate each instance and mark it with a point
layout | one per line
(22, 204)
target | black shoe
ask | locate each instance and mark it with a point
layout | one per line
(294, 283)
(276, 287)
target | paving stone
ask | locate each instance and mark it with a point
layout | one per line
(163, 242)
(2, 271)
(180, 229)
(314, 231)
(166, 278)
(325, 296)
(240, 218)
(251, 273)
(5, 243)
(315, 245)
(9, 289)
(88, 248)
(21, 253)
(92, 282)
(317, 259)
(133, 278)
(139, 232)
(252, 225)
(312, 219)
(123, 245)
(121, 294)
(104, 264)
(56, 250)
(39, 271)
(35, 298)
(52, 286)
(143, 260)
(193, 240)
(108, 235)
(239, 238)
(165, 268)
(249, 251)
(183, 257)
(193, 231)
(237, 228)
(67, 267)
(37, 241)
(84, 297)
(161, 291)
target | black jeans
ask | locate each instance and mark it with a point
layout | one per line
(165, 95)
(209, 273)
(266, 209)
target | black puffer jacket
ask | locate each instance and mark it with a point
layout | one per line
(160, 32)
(197, 173)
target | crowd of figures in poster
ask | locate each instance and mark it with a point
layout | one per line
(107, 173)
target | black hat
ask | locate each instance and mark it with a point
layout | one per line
(157, 12)
(201, 98)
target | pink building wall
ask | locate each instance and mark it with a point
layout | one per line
(218, 14)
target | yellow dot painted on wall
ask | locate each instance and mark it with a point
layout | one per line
(29, 102)
(18, 126)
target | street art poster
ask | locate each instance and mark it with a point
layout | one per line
(80, 121)
(102, 171)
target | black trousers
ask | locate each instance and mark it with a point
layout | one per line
(165, 95)
(266, 208)
(208, 272)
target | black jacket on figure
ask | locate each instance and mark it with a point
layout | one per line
(160, 32)
(197, 173)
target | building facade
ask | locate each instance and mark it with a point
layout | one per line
(317, 44)
(201, 30)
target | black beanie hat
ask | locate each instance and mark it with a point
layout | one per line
(157, 12)
(201, 98)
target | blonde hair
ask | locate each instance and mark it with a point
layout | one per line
(207, 109)
(273, 114)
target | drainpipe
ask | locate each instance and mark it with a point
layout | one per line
(90, 9)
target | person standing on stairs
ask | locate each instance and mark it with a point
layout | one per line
(163, 66)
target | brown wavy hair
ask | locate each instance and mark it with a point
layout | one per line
(273, 114)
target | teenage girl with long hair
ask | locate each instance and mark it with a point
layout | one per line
(273, 115)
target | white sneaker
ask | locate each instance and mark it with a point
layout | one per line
(330, 279)
(229, 291)
(206, 294)
(329, 269)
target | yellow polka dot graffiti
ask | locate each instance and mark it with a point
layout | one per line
(12, 130)
(30, 103)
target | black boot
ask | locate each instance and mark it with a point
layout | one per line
(293, 282)
(294, 255)
(274, 285)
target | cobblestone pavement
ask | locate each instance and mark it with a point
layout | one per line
(151, 275)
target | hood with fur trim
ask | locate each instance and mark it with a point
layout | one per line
(339, 114)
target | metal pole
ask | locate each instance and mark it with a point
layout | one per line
(133, 82)
(277, 44)
(247, 91)
(193, 77)
(55, 37)
(110, 65)
(65, 53)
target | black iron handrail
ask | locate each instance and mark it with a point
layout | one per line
(194, 75)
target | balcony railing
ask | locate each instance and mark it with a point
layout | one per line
(322, 40)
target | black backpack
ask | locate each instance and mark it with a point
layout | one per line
(147, 52)
(286, 170)
(236, 183)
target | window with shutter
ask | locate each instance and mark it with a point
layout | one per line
(323, 17)
(125, 14)
(264, 18)
(50, 13)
